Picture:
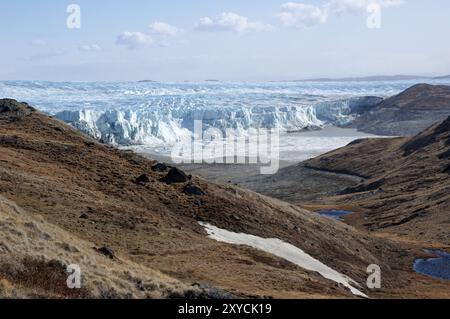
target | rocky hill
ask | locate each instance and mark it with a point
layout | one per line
(407, 113)
(405, 188)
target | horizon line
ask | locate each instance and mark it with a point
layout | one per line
(369, 78)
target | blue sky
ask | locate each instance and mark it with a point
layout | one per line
(249, 40)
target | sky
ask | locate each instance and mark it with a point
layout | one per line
(230, 40)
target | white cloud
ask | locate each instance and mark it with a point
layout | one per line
(134, 40)
(391, 3)
(228, 21)
(158, 34)
(89, 47)
(302, 15)
(164, 29)
(306, 15)
(359, 6)
(348, 6)
(38, 43)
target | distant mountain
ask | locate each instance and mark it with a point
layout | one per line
(444, 77)
(368, 78)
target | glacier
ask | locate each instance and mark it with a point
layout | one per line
(153, 114)
(167, 125)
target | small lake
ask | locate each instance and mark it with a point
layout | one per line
(335, 214)
(438, 267)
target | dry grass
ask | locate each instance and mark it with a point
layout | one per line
(34, 256)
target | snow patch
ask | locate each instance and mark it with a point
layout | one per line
(283, 250)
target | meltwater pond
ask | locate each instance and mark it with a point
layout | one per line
(438, 267)
(335, 214)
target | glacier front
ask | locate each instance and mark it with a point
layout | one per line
(157, 124)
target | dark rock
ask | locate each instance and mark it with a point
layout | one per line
(236, 217)
(84, 216)
(107, 252)
(8, 106)
(193, 190)
(175, 176)
(142, 180)
(197, 203)
(160, 168)
(14, 108)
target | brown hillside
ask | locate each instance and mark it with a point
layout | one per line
(407, 186)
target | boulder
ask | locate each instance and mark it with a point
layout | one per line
(13, 109)
(160, 168)
(107, 252)
(142, 180)
(175, 176)
(193, 190)
(8, 106)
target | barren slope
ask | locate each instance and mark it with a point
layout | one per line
(35, 255)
